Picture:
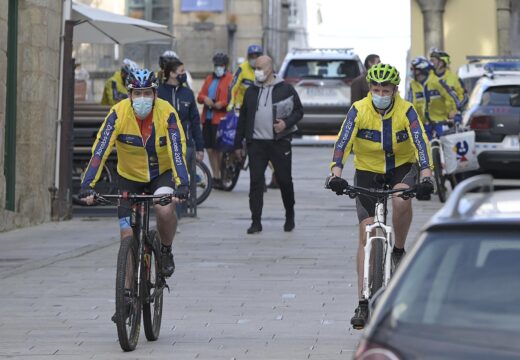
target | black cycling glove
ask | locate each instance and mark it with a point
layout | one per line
(86, 193)
(182, 192)
(338, 185)
(425, 189)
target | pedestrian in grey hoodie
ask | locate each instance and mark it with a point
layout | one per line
(268, 117)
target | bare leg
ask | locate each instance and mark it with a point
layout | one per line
(361, 252)
(166, 223)
(214, 161)
(126, 232)
(401, 217)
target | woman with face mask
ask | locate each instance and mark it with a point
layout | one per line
(181, 97)
(214, 96)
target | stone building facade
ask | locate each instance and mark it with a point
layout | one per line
(37, 82)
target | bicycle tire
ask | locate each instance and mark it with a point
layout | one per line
(152, 287)
(377, 261)
(229, 171)
(128, 327)
(205, 183)
(437, 174)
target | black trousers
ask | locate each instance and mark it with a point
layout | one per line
(279, 152)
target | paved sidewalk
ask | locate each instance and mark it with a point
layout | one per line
(272, 295)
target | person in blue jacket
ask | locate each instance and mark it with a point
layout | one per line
(183, 100)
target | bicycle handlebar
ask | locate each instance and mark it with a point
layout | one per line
(103, 199)
(354, 191)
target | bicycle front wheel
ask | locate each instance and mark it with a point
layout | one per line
(229, 171)
(152, 287)
(128, 304)
(204, 181)
(437, 174)
(377, 261)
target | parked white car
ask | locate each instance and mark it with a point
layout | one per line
(494, 113)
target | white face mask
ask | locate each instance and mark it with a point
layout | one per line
(381, 102)
(260, 76)
(142, 106)
(219, 71)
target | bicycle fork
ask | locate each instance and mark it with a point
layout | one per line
(388, 243)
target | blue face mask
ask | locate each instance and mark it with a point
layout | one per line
(142, 106)
(381, 102)
(182, 78)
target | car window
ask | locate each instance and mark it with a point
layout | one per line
(322, 69)
(474, 99)
(499, 95)
(461, 280)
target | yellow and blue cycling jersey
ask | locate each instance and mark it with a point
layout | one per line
(243, 78)
(382, 142)
(115, 90)
(455, 87)
(165, 149)
(431, 100)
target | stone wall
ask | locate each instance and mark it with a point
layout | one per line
(197, 38)
(3, 71)
(39, 23)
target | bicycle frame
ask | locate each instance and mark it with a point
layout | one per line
(139, 221)
(382, 196)
(436, 143)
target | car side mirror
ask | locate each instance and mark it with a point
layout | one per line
(514, 100)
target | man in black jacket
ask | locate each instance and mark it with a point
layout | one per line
(359, 88)
(268, 117)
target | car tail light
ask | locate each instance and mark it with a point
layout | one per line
(372, 351)
(481, 122)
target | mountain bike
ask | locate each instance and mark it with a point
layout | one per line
(139, 282)
(377, 266)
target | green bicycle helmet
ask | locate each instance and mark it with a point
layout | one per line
(383, 74)
(441, 55)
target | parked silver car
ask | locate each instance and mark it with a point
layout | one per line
(322, 78)
(456, 295)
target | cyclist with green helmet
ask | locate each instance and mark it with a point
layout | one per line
(430, 98)
(391, 147)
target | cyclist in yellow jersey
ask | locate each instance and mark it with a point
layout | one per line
(450, 81)
(389, 143)
(151, 148)
(432, 102)
(244, 77)
(115, 87)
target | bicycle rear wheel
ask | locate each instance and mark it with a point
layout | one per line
(377, 260)
(204, 181)
(437, 174)
(128, 304)
(229, 171)
(152, 287)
